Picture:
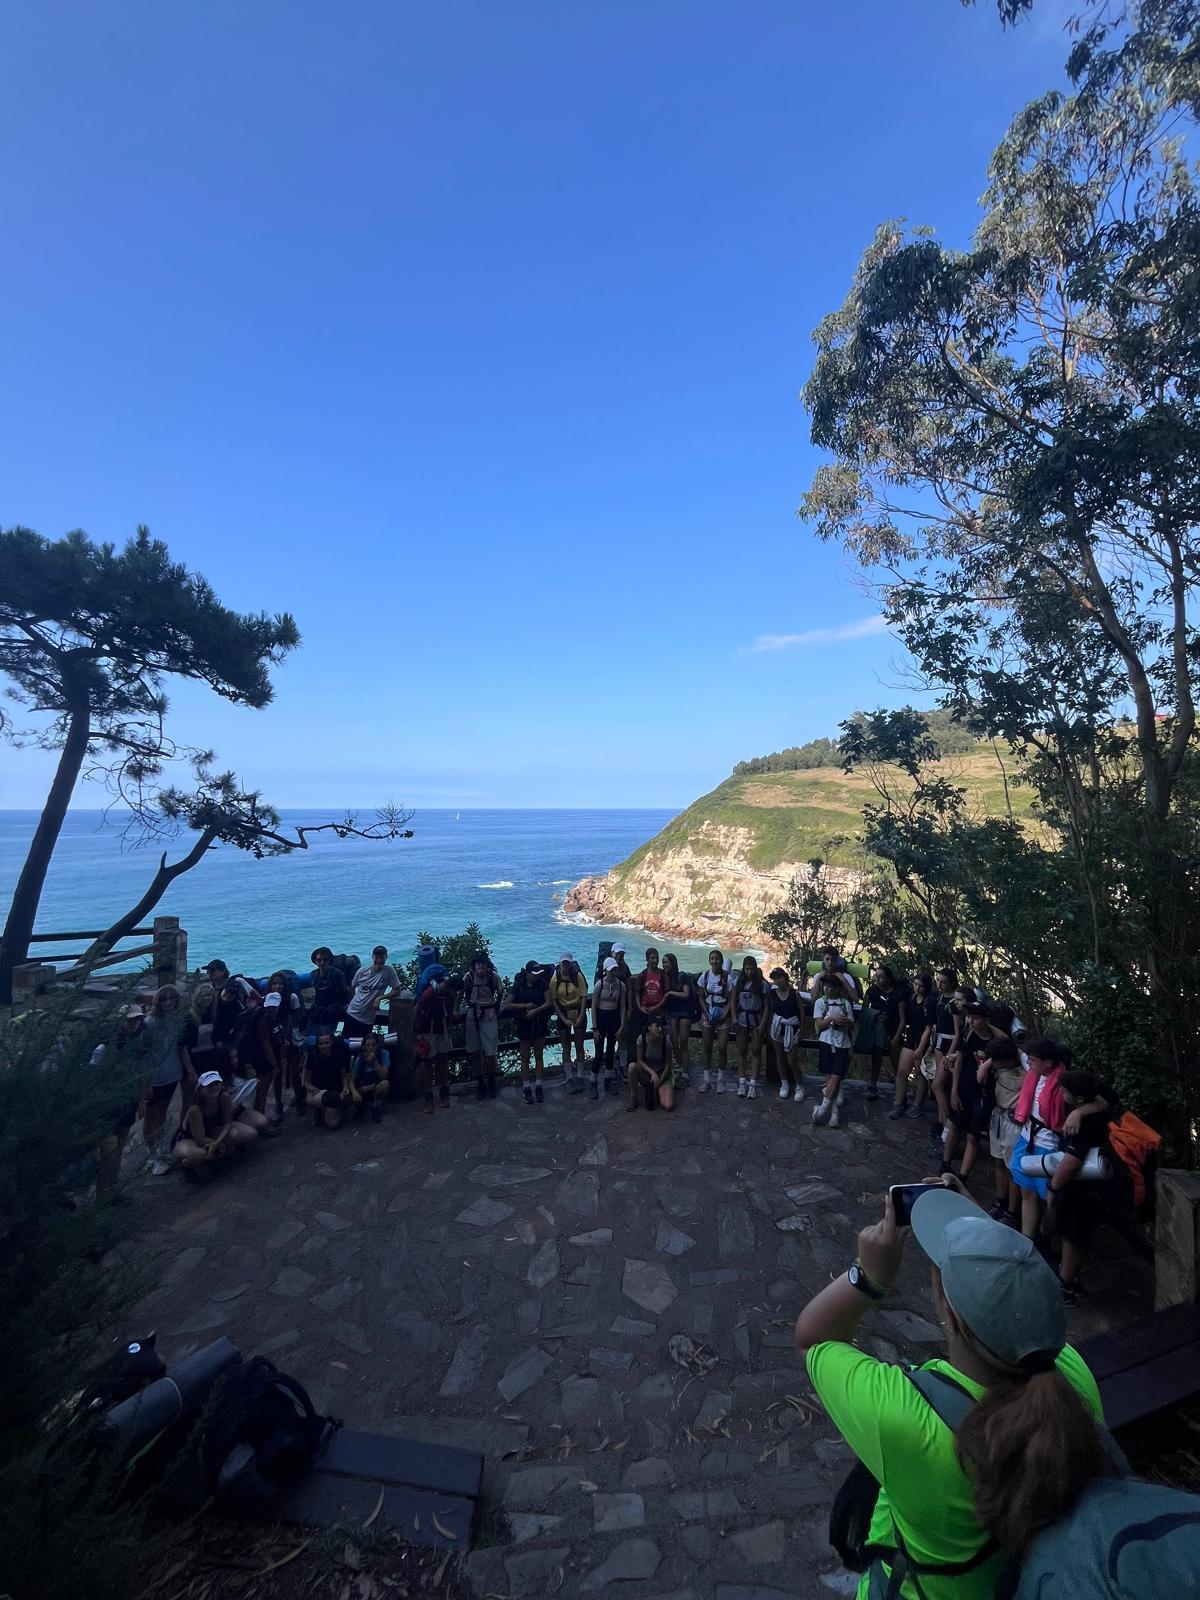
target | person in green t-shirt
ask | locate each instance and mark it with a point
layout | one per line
(972, 1498)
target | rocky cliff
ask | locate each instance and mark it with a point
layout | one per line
(718, 868)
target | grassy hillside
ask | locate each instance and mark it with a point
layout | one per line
(792, 815)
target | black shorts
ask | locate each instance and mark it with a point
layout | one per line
(943, 1042)
(608, 1024)
(123, 1119)
(974, 1117)
(332, 1098)
(353, 1029)
(160, 1093)
(532, 1028)
(833, 1063)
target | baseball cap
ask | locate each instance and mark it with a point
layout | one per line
(273, 999)
(618, 949)
(566, 956)
(609, 964)
(993, 1277)
(207, 1078)
(134, 1011)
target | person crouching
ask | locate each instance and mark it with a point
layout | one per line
(210, 1129)
(328, 1083)
(652, 1070)
(370, 1083)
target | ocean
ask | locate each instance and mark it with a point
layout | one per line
(502, 869)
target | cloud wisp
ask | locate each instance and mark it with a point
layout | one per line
(865, 628)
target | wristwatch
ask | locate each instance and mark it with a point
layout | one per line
(859, 1279)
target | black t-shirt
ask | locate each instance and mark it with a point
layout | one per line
(529, 989)
(326, 1071)
(200, 1038)
(944, 1014)
(889, 1004)
(228, 1012)
(330, 991)
(969, 1087)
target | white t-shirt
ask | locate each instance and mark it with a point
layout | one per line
(369, 987)
(1045, 1138)
(716, 988)
(836, 1035)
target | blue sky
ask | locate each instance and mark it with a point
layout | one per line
(473, 334)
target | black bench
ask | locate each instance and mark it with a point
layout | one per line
(1147, 1365)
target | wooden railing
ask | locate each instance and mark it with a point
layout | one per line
(166, 948)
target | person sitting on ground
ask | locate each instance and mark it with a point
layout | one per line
(209, 1129)
(787, 1030)
(833, 1018)
(1001, 1061)
(918, 1031)
(971, 1091)
(751, 1005)
(431, 1026)
(481, 1007)
(529, 1003)
(833, 964)
(331, 989)
(370, 985)
(652, 1071)
(962, 1502)
(1075, 1208)
(679, 1013)
(947, 1024)
(610, 1003)
(328, 1080)
(370, 1077)
(568, 996)
(165, 1070)
(716, 1018)
(1039, 1113)
(888, 999)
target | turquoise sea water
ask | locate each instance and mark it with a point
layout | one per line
(501, 869)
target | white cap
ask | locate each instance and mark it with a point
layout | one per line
(207, 1078)
(566, 956)
(609, 964)
(273, 999)
(618, 949)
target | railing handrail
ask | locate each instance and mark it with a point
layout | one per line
(86, 933)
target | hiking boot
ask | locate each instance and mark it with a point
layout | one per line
(429, 1105)
(784, 1091)
(720, 1082)
(752, 1090)
(741, 1089)
(595, 1087)
(443, 1097)
(834, 1119)
(820, 1115)
(705, 1079)
(896, 1113)
(539, 1093)
(480, 1091)
(915, 1111)
(528, 1093)
(1070, 1291)
(799, 1094)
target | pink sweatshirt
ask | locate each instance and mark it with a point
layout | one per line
(1053, 1110)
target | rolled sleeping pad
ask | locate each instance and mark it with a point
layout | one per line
(141, 1418)
(1094, 1169)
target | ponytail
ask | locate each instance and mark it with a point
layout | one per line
(1029, 1447)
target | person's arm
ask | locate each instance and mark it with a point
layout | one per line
(901, 1020)
(262, 1029)
(835, 1313)
(955, 1081)
(1090, 1108)
(306, 1082)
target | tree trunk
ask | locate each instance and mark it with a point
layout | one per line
(159, 884)
(22, 914)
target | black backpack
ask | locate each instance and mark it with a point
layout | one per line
(259, 1433)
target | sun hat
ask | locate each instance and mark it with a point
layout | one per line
(207, 1078)
(994, 1279)
(609, 964)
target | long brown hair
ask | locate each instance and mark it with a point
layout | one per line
(1029, 1448)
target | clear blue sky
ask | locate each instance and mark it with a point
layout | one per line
(472, 333)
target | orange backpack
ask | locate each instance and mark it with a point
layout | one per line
(1137, 1145)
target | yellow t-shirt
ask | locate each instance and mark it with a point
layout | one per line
(569, 994)
(897, 1435)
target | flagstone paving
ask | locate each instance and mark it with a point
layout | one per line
(601, 1302)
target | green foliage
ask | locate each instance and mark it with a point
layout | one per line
(944, 727)
(1109, 1034)
(61, 1287)
(457, 951)
(1016, 456)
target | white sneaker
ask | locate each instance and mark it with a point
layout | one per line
(741, 1088)
(784, 1091)
(799, 1094)
(720, 1083)
(704, 1083)
(820, 1113)
(835, 1120)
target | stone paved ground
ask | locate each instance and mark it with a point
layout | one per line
(602, 1302)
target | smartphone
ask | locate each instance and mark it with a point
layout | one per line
(905, 1196)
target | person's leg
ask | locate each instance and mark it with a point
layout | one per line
(784, 1068)
(904, 1066)
(1004, 1201)
(526, 1091)
(539, 1066)
(950, 1148)
(666, 1096)
(246, 1130)
(108, 1163)
(189, 1154)
(155, 1121)
(633, 1078)
(741, 1050)
(753, 1063)
(941, 1087)
(706, 1054)
(795, 1063)
(722, 1050)
(876, 1068)
(1031, 1213)
(970, 1151)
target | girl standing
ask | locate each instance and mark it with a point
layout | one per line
(751, 1007)
(679, 1012)
(166, 1070)
(715, 1018)
(610, 1005)
(918, 1030)
(786, 1033)
(528, 1002)
(833, 1018)
(568, 996)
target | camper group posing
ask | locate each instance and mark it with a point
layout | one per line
(642, 1026)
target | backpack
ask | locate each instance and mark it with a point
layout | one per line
(259, 1433)
(1137, 1147)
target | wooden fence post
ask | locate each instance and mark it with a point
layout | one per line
(29, 980)
(1176, 1238)
(170, 951)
